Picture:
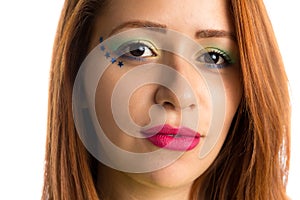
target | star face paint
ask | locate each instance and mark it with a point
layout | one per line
(108, 55)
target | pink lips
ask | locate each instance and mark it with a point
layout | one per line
(179, 139)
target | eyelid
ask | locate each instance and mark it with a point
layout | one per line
(228, 59)
(223, 53)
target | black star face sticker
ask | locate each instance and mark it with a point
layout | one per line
(120, 63)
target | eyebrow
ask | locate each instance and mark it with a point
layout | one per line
(210, 33)
(205, 33)
(138, 24)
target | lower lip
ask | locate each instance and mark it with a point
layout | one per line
(182, 143)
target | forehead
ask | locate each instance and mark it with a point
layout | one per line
(186, 16)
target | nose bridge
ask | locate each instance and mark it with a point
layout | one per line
(178, 62)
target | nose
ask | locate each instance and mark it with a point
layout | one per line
(177, 100)
(176, 92)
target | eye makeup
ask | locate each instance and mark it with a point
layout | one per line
(136, 50)
(139, 50)
(213, 57)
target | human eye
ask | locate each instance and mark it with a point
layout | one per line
(137, 50)
(214, 58)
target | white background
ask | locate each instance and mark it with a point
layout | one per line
(27, 30)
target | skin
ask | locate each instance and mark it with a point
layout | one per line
(187, 17)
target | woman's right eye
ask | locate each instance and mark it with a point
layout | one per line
(137, 50)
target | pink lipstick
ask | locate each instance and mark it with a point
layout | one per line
(178, 139)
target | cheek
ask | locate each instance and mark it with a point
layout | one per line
(140, 103)
(222, 109)
(104, 93)
(103, 106)
(233, 91)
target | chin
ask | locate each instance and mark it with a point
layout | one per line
(182, 173)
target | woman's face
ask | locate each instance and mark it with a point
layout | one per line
(207, 23)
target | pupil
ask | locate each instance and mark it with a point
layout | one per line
(212, 58)
(137, 50)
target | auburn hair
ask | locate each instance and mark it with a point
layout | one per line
(254, 160)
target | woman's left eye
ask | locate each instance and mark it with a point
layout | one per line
(214, 58)
(137, 50)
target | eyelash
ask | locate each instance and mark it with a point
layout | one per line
(207, 56)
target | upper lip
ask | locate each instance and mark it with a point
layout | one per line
(172, 131)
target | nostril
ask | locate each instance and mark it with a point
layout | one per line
(168, 99)
(168, 104)
(192, 106)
